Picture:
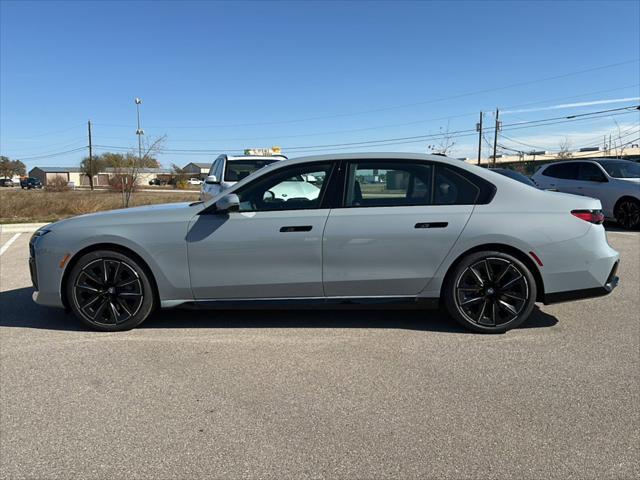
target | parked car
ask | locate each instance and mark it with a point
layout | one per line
(30, 183)
(616, 183)
(227, 170)
(437, 231)
(157, 181)
(194, 181)
(6, 182)
(515, 175)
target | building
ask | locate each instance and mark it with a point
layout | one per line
(49, 174)
(197, 170)
(144, 175)
(74, 175)
(630, 153)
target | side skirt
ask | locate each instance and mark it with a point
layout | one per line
(391, 302)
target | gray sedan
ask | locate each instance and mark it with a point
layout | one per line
(391, 229)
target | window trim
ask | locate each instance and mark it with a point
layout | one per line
(322, 204)
(486, 189)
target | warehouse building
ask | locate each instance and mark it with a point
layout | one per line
(197, 170)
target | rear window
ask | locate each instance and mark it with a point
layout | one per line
(452, 188)
(238, 169)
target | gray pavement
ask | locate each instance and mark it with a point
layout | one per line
(351, 394)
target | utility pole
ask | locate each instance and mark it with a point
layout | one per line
(495, 137)
(139, 131)
(479, 129)
(90, 157)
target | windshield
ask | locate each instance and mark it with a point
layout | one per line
(622, 169)
(238, 169)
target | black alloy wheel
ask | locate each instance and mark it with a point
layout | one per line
(109, 291)
(628, 213)
(490, 292)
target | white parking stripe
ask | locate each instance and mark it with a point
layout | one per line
(9, 242)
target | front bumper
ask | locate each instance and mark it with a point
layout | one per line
(570, 295)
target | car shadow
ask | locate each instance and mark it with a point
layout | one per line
(19, 311)
(610, 226)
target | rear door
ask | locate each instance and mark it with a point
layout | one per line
(562, 177)
(395, 225)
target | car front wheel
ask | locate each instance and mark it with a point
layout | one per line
(490, 292)
(109, 291)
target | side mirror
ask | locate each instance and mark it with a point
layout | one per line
(212, 180)
(228, 203)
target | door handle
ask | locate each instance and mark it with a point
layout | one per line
(296, 228)
(432, 225)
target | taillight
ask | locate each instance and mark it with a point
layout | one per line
(592, 216)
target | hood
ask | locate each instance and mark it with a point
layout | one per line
(630, 181)
(140, 214)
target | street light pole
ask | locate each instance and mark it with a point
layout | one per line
(139, 131)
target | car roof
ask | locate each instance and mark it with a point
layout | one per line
(378, 156)
(255, 157)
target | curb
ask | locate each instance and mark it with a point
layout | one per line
(20, 227)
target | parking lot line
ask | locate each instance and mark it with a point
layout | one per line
(6, 246)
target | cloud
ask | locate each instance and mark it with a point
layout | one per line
(573, 105)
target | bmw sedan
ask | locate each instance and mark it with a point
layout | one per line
(384, 229)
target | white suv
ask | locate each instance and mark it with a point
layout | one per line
(616, 183)
(227, 170)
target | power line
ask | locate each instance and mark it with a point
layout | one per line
(47, 133)
(387, 141)
(56, 154)
(376, 127)
(393, 107)
(514, 126)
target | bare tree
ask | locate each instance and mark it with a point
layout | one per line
(127, 168)
(444, 146)
(618, 141)
(565, 149)
(178, 177)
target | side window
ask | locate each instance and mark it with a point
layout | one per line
(567, 171)
(382, 184)
(452, 188)
(300, 187)
(590, 173)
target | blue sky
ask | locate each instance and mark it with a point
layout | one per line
(216, 76)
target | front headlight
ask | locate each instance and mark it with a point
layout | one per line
(37, 234)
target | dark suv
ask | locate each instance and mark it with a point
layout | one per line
(30, 183)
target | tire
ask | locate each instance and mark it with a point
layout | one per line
(493, 300)
(120, 303)
(627, 213)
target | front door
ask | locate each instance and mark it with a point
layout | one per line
(398, 222)
(271, 248)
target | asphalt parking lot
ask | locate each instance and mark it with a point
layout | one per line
(350, 394)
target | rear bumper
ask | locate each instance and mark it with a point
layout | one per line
(570, 295)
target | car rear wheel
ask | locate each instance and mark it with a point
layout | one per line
(490, 292)
(109, 291)
(627, 213)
